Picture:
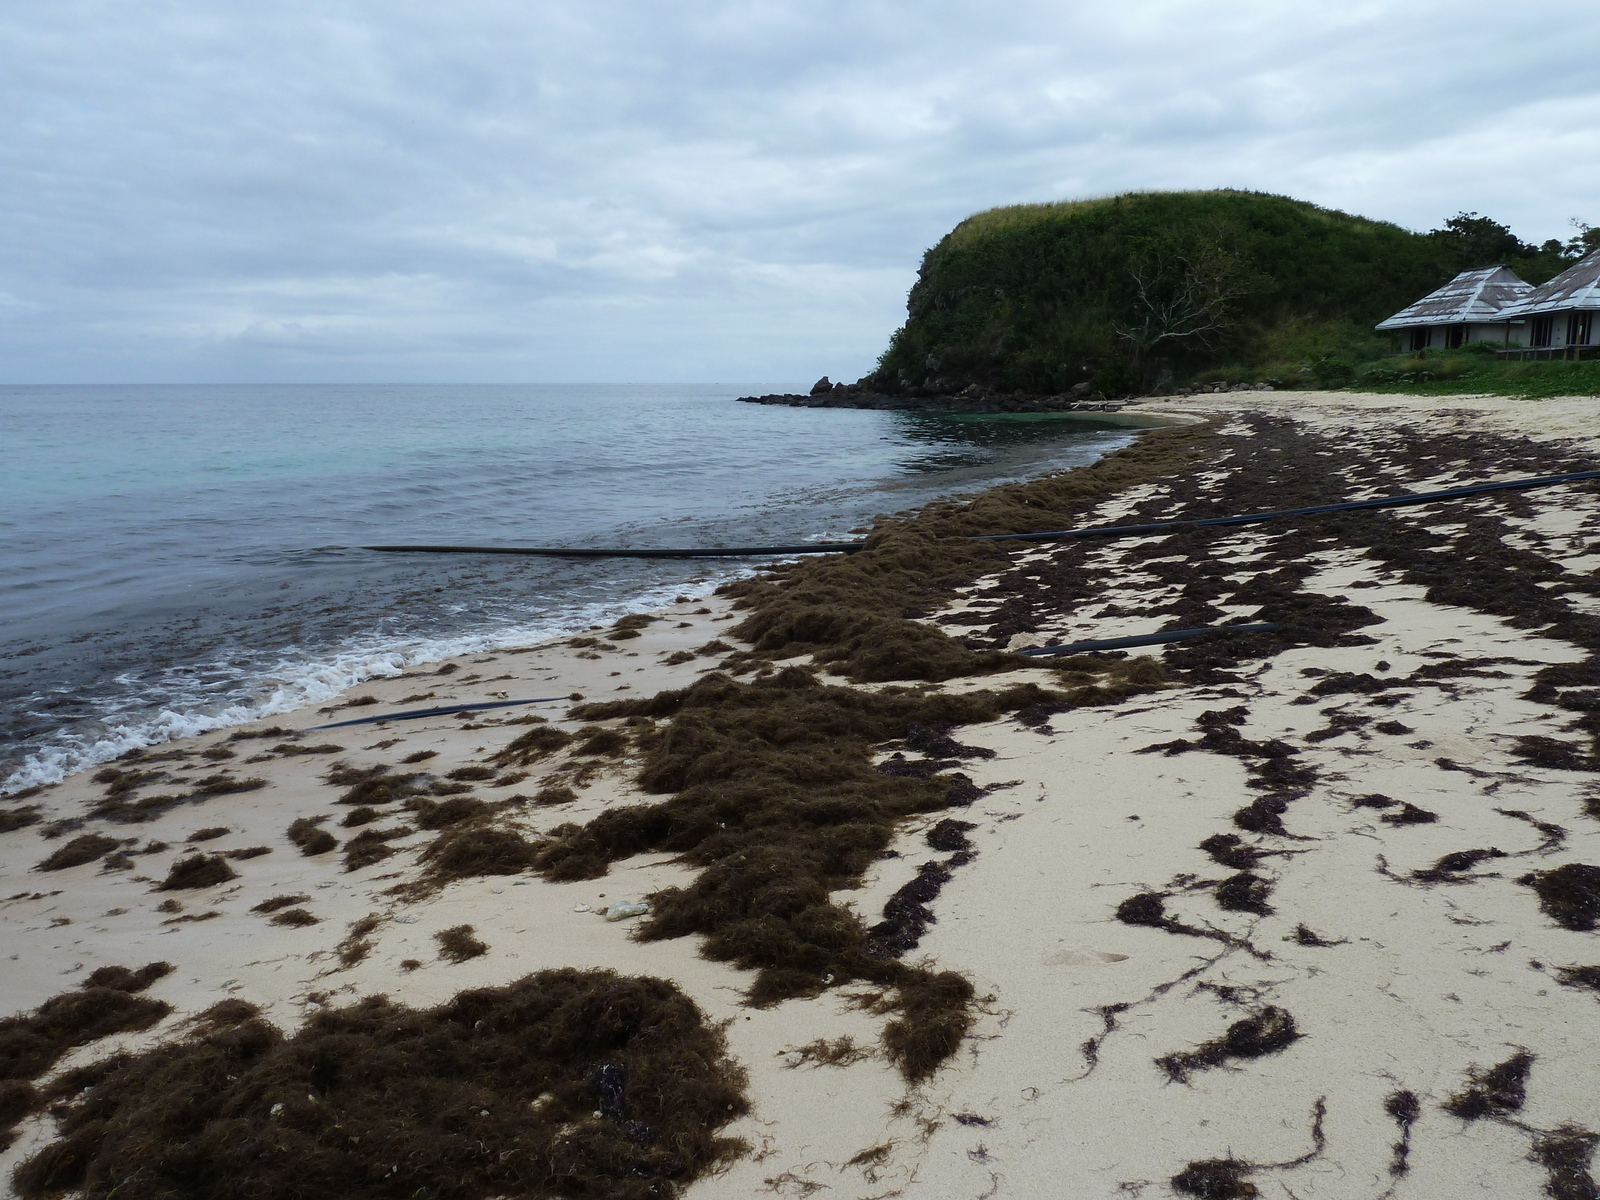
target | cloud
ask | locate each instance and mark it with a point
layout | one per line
(621, 189)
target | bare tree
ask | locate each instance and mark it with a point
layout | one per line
(1183, 295)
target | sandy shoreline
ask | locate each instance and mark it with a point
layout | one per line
(1397, 982)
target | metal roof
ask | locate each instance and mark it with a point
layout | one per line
(1576, 287)
(1483, 294)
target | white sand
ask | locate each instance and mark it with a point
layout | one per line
(1428, 981)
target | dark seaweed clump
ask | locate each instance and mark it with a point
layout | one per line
(1216, 1179)
(1493, 1093)
(539, 742)
(471, 850)
(79, 850)
(32, 1043)
(1570, 895)
(566, 1083)
(1267, 1032)
(1404, 1108)
(305, 834)
(457, 944)
(197, 871)
(1565, 1153)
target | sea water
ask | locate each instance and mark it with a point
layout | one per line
(178, 559)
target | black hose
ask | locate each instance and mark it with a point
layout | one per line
(1054, 535)
(1143, 639)
(416, 713)
(568, 552)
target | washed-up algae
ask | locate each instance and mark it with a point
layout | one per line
(565, 1083)
(32, 1043)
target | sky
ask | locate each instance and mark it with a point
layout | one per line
(644, 190)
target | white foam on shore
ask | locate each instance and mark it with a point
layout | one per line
(289, 686)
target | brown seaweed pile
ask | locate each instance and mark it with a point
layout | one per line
(776, 800)
(566, 1083)
(1266, 1032)
(32, 1043)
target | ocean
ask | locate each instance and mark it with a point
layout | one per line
(179, 559)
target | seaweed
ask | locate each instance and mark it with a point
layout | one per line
(492, 1093)
(32, 1043)
(1244, 892)
(596, 741)
(1569, 895)
(123, 979)
(420, 756)
(471, 850)
(369, 846)
(311, 841)
(950, 835)
(1453, 867)
(227, 785)
(470, 774)
(373, 786)
(19, 817)
(842, 1052)
(206, 835)
(457, 944)
(197, 871)
(82, 849)
(1229, 850)
(1404, 1108)
(295, 917)
(1493, 1093)
(1579, 977)
(363, 815)
(539, 742)
(276, 902)
(432, 814)
(1266, 1032)
(554, 793)
(1565, 1154)
(1409, 814)
(1216, 1179)
(1228, 1178)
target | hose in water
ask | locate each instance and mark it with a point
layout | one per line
(1054, 535)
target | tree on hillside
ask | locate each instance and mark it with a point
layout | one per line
(1183, 295)
(1478, 241)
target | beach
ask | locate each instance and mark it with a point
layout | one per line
(1299, 913)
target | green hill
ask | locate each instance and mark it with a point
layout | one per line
(1126, 291)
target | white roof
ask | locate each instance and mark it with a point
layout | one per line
(1483, 294)
(1576, 287)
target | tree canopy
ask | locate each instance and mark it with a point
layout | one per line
(1122, 290)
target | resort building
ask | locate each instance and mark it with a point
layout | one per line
(1559, 319)
(1562, 316)
(1472, 307)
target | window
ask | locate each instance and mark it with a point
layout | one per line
(1454, 335)
(1419, 338)
(1580, 327)
(1543, 330)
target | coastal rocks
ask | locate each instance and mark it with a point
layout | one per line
(821, 387)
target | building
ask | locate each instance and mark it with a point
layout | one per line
(1472, 307)
(1563, 316)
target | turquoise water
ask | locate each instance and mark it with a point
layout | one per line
(174, 559)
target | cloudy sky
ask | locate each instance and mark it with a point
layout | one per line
(642, 190)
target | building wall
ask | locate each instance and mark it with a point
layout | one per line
(1438, 336)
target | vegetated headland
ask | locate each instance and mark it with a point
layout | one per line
(1043, 306)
